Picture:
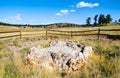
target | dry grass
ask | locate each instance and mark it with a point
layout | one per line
(105, 62)
(88, 28)
(12, 28)
(29, 31)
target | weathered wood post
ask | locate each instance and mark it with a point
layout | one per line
(71, 33)
(20, 34)
(98, 34)
(46, 33)
(115, 54)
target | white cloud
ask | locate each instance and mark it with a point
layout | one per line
(12, 19)
(85, 4)
(64, 11)
(78, 5)
(72, 10)
(59, 14)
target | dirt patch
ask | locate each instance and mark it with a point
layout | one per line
(18, 45)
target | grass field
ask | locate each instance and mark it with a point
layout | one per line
(29, 31)
(11, 28)
(105, 63)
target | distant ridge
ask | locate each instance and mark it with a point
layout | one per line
(47, 25)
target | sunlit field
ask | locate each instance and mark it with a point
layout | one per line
(105, 62)
(60, 39)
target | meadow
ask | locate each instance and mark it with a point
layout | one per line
(105, 62)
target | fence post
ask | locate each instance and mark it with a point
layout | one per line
(71, 34)
(20, 34)
(46, 33)
(98, 34)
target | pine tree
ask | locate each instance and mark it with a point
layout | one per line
(101, 19)
(108, 18)
(95, 18)
(119, 20)
(88, 20)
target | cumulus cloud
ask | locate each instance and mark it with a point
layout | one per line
(85, 4)
(81, 4)
(64, 11)
(72, 10)
(12, 19)
(59, 14)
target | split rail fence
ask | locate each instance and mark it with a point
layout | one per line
(71, 33)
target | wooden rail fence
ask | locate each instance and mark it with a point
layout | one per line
(64, 33)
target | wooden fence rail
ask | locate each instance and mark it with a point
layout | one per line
(109, 29)
(9, 31)
(72, 33)
(64, 33)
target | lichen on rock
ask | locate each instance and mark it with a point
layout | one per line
(63, 55)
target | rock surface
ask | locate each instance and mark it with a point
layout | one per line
(63, 55)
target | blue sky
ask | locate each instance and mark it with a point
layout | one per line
(56, 11)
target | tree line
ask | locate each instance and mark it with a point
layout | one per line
(100, 20)
(20, 25)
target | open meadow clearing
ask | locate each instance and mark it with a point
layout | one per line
(51, 31)
(60, 39)
(105, 63)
